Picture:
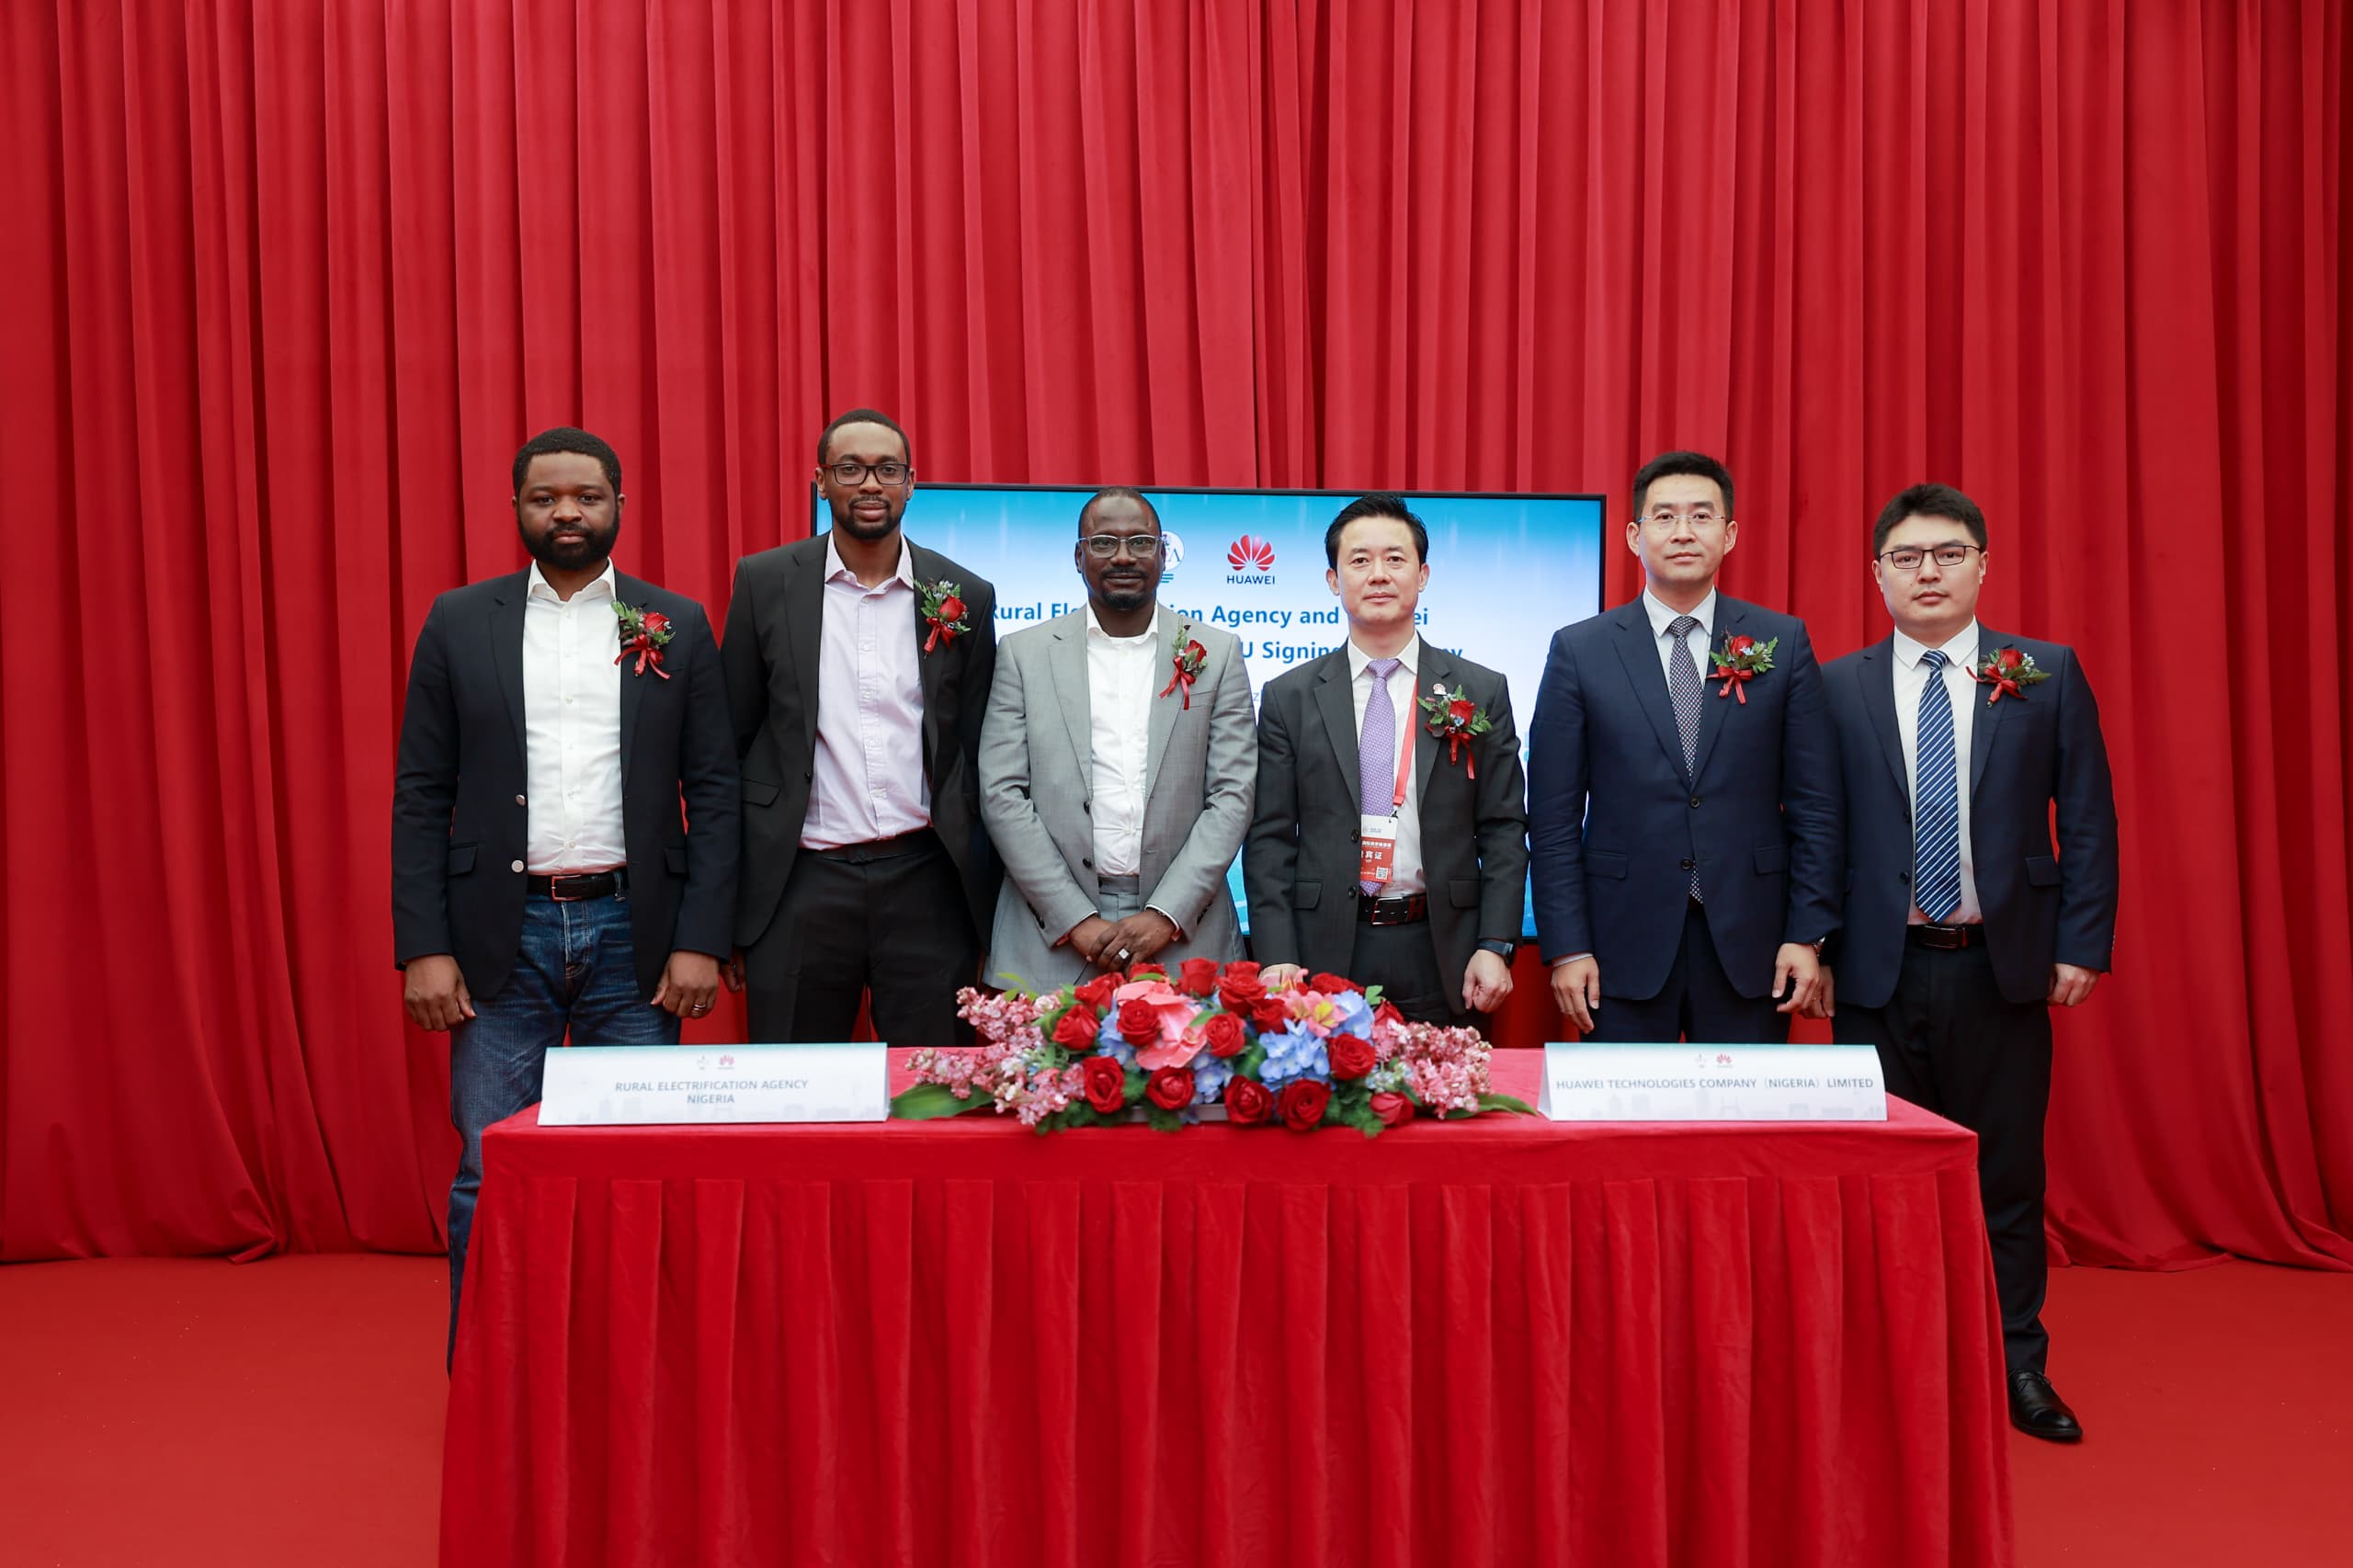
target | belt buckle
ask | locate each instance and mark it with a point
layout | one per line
(556, 890)
(1400, 912)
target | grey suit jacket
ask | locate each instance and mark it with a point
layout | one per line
(1037, 779)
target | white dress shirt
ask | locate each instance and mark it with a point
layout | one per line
(1911, 679)
(1702, 642)
(572, 728)
(1405, 689)
(1119, 706)
(869, 781)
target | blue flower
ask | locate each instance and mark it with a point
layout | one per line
(1109, 1043)
(1355, 1015)
(1210, 1074)
(1293, 1053)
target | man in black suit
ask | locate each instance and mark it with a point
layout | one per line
(544, 881)
(1682, 819)
(1961, 927)
(858, 667)
(1377, 849)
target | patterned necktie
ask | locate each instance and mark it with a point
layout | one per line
(1936, 806)
(1377, 749)
(1683, 684)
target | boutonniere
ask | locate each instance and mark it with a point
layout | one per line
(1740, 661)
(1188, 656)
(943, 612)
(645, 632)
(2008, 670)
(1454, 719)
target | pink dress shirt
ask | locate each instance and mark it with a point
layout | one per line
(870, 782)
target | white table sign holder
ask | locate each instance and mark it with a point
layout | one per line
(609, 1085)
(1712, 1082)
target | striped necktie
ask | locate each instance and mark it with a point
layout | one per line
(1935, 807)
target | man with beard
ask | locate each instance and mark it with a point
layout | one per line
(1115, 771)
(858, 667)
(544, 881)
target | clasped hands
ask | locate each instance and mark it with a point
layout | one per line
(1122, 944)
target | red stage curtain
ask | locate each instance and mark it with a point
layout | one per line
(282, 287)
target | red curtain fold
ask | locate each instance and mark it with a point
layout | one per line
(281, 287)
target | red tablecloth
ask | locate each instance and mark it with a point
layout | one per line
(1500, 1341)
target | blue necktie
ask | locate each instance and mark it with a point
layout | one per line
(1936, 808)
(1683, 685)
(1377, 749)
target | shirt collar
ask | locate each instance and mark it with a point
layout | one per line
(1409, 657)
(1662, 617)
(601, 586)
(1961, 650)
(835, 567)
(1095, 629)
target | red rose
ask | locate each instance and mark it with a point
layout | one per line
(1268, 1014)
(1387, 1013)
(656, 622)
(1198, 977)
(1224, 1032)
(1333, 984)
(1351, 1057)
(951, 609)
(1302, 1103)
(1247, 1103)
(1461, 710)
(1394, 1110)
(2009, 659)
(1107, 1085)
(1737, 645)
(1171, 1088)
(1139, 1024)
(1239, 987)
(1195, 653)
(1077, 1030)
(1096, 993)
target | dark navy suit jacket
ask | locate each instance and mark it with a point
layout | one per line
(2024, 753)
(1615, 825)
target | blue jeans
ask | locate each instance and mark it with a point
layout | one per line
(576, 972)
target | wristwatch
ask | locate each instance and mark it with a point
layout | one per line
(1502, 950)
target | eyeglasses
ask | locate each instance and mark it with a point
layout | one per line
(1103, 547)
(1697, 517)
(1948, 555)
(846, 473)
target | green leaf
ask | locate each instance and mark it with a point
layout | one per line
(928, 1102)
(1511, 1103)
(1134, 1091)
(1164, 1120)
(1253, 1059)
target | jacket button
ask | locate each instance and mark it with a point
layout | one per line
(1087, 806)
(1903, 876)
(1695, 803)
(1085, 862)
(806, 777)
(1687, 862)
(518, 799)
(516, 866)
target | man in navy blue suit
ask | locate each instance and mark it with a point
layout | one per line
(1962, 928)
(1682, 796)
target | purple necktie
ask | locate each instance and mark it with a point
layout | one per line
(1377, 749)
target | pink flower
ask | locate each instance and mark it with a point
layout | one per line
(1174, 1042)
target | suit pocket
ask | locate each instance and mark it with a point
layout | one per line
(462, 858)
(1772, 859)
(2041, 871)
(1307, 895)
(676, 854)
(760, 792)
(1605, 863)
(1462, 891)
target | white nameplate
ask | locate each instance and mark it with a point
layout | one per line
(1712, 1082)
(604, 1086)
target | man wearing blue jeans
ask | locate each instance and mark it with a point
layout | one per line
(546, 881)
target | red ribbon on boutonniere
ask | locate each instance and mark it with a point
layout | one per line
(1740, 661)
(1188, 656)
(645, 632)
(2007, 671)
(943, 611)
(1453, 718)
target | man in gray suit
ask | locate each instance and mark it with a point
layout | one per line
(1116, 767)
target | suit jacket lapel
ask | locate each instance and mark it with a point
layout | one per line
(1637, 648)
(1987, 717)
(1437, 669)
(1164, 710)
(804, 629)
(930, 666)
(1713, 709)
(1878, 678)
(505, 631)
(1066, 669)
(1334, 701)
(630, 591)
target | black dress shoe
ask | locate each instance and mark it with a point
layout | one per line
(2037, 1410)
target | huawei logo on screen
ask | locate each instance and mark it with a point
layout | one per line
(1253, 561)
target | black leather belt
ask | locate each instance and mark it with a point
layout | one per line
(573, 888)
(1946, 938)
(882, 848)
(1407, 909)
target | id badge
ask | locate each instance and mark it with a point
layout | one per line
(1377, 849)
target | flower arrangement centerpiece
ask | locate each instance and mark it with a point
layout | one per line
(1321, 1051)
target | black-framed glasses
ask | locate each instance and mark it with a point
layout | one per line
(1103, 547)
(1947, 556)
(846, 472)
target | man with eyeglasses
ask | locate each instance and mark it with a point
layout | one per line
(1961, 928)
(1116, 769)
(1682, 796)
(857, 663)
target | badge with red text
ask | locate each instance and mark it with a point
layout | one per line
(1376, 849)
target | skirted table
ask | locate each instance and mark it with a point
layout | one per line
(1498, 1341)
